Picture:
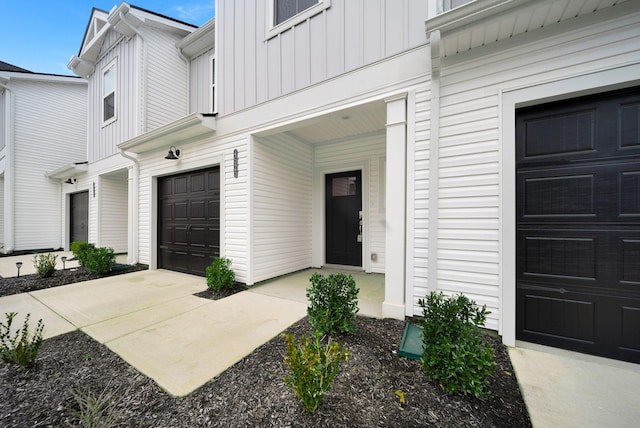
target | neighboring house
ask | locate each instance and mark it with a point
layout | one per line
(446, 144)
(42, 127)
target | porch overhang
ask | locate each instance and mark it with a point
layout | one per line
(67, 171)
(189, 128)
(482, 22)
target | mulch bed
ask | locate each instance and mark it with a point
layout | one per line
(252, 392)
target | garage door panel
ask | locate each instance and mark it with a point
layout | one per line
(578, 224)
(189, 238)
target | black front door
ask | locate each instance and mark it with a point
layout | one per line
(343, 218)
(79, 218)
(189, 221)
(578, 224)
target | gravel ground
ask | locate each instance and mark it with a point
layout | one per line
(252, 392)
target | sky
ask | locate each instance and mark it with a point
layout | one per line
(42, 35)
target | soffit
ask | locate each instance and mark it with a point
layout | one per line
(483, 22)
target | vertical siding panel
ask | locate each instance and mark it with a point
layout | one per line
(353, 34)
(394, 26)
(3, 125)
(239, 46)
(200, 81)
(114, 212)
(249, 38)
(274, 80)
(227, 25)
(302, 53)
(335, 39)
(415, 27)
(287, 57)
(373, 31)
(262, 60)
(317, 49)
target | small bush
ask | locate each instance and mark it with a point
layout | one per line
(100, 260)
(313, 367)
(45, 264)
(20, 347)
(219, 274)
(454, 353)
(333, 303)
(97, 410)
(80, 250)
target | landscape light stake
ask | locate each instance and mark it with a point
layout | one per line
(18, 265)
(64, 262)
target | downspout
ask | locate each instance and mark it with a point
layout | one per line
(434, 148)
(9, 173)
(188, 64)
(134, 209)
(142, 93)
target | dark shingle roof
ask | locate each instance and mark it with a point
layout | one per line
(4, 66)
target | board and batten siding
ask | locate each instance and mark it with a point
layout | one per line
(166, 83)
(234, 240)
(102, 140)
(44, 139)
(282, 206)
(3, 125)
(347, 35)
(113, 211)
(469, 154)
(200, 83)
(368, 153)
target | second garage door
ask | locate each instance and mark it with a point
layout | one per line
(578, 224)
(189, 221)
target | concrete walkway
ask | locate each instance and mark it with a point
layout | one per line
(153, 321)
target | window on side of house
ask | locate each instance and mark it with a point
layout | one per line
(109, 93)
(284, 14)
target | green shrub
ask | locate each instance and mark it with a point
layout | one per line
(80, 250)
(100, 260)
(220, 275)
(19, 347)
(454, 353)
(45, 264)
(313, 367)
(333, 303)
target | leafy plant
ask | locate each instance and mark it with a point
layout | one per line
(100, 260)
(313, 367)
(19, 347)
(45, 264)
(97, 410)
(454, 354)
(220, 275)
(80, 250)
(333, 303)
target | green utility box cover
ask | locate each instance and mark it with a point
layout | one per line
(411, 344)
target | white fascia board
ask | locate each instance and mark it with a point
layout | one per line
(470, 13)
(66, 171)
(35, 77)
(199, 41)
(193, 126)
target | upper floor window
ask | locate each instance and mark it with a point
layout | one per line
(109, 93)
(284, 14)
(212, 94)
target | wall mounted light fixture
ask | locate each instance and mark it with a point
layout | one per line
(71, 180)
(173, 154)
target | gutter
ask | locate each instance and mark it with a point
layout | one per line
(134, 209)
(9, 171)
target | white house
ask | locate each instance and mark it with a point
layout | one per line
(488, 147)
(42, 128)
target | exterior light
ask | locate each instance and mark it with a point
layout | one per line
(171, 155)
(64, 262)
(71, 180)
(18, 265)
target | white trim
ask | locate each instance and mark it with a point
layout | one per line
(213, 93)
(273, 30)
(511, 99)
(111, 65)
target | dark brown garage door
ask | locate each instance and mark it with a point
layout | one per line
(578, 224)
(189, 221)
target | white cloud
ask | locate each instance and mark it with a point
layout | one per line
(196, 13)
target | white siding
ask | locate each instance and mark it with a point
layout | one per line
(344, 37)
(469, 157)
(113, 211)
(200, 82)
(102, 140)
(2, 118)
(50, 131)
(234, 200)
(368, 153)
(282, 207)
(2, 213)
(166, 84)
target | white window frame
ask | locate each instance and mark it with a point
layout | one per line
(273, 30)
(213, 79)
(110, 65)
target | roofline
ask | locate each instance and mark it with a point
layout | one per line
(86, 30)
(41, 76)
(162, 16)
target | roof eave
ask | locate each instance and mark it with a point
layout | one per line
(67, 171)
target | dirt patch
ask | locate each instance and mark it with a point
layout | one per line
(252, 392)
